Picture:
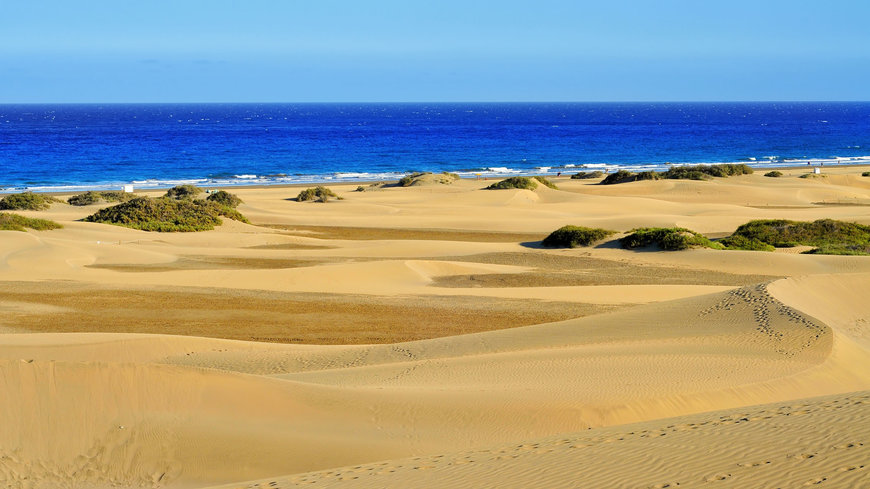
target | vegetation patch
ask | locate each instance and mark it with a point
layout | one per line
(773, 174)
(866, 174)
(316, 194)
(225, 199)
(166, 215)
(829, 237)
(690, 172)
(423, 178)
(14, 222)
(27, 201)
(582, 175)
(813, 175)
(574, 236)
(546, 182)
(668, 239)
(515, 182)
(91, 197)
(183, 192)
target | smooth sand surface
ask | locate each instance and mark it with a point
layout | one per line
(421, 337)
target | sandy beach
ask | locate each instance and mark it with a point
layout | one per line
(422, 337)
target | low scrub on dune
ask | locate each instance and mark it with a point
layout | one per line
(773, 174)
(316, 194)
(166, 215)
(91, 197)
(574, 236)
(668, 239)
(828, 236)
(183, 192)
(866, 174)
(582, 175)
(813, 175)
(422, 178)
(689, 172)
(224, 198)
(27, 201)
(546, 182)
(14, 222)
(515, 182)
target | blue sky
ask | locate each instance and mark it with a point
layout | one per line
(379, 50)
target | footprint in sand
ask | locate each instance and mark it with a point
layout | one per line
(717, 477)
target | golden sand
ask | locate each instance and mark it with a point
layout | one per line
(420, 337)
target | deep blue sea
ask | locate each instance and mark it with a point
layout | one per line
(59, 147)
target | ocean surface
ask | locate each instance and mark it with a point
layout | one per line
(67, 147)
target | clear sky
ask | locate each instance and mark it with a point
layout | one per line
(445, 50)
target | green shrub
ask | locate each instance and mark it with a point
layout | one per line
(866, 174)
(647, 175)
(317, 194)
(186, 192)
(546, 182)
(27, 201)
(669, 239)
(827, 235)
(515, 182)
(224, 198)
(586, 175)
(574, 236)
(91, 197)
(736, 242)
(704, 172)
(360, 189)
(620, 176)
(813, 175)
(14, 222)
(773, 174)
(166, 215)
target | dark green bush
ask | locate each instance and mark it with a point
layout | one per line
(620, 176)
(14, 222)
(574, 236)
(407, 180)
(546, 182)
(669, 239)
(27, 201)
(166, 215)
(187, 192)
(647, 175)
(773, 174)
(827, 235)
(317, 194)
(91, 197)
(360, 189)
(515, 182)
(584, 175)
(866, 174)
(224, 198)
(736, 242)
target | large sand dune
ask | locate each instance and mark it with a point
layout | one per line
(592, 367)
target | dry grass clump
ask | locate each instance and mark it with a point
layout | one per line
(582, 175)
(773, 174)
(813, 175)
(14, 222)
(515, 182)
(829, 237)
(668, 239)
(423, 178)
(546, 182)
(316, 194)
(27, 201)
(91, 197)
(574, 236)
(166, 215)
(185, 192)
(224, 198)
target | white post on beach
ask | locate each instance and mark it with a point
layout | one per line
(817, 170)
(128, 189)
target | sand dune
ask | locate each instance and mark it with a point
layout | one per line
(595, 367)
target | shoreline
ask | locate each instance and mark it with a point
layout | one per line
(550, 173)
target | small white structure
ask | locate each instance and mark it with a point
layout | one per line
(128, 189)
(817, 170)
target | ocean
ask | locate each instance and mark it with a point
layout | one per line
(71, 147)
